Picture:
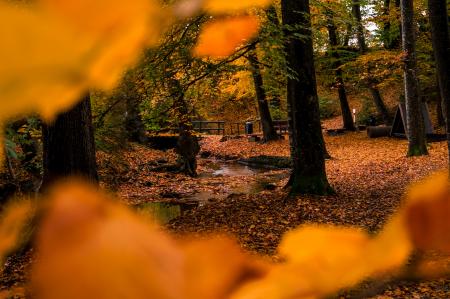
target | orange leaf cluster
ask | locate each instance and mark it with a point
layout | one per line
(88, 244)
(220, 38)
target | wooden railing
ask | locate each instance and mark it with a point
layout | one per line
(209, 127)
(235, 128)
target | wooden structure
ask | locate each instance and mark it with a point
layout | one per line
(400, 126)
(235, 128)
(209, 127)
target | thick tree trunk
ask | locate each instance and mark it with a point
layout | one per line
(345, 109)
(441, 47)
(376, 95)
(305, 132)
(269, 132)
(417, 145)
(69, 147)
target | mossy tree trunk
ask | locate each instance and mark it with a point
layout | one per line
(305, 133)
(417, 145)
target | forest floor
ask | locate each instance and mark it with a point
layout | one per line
(368, 175)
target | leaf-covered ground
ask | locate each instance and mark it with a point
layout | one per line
(369, 176)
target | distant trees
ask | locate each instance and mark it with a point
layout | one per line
(305, 133)
(347, 117)
(441, 48)
(417, 145)
(374, 91)
(68, 145)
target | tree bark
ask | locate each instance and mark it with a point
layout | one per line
(386, 25)
(187, 143)
(441, 48)
(69, 147)
(376, 95)
(347, 117)
(269, 132)
(133, 121)
(305, 133)
(417, 145)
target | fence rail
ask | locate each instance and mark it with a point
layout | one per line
(235, 128)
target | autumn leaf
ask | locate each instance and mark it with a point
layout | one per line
(12, 222)
(221, 37)
(210, 276)
(91, 246)
(427, 213)
(88, 244)
(321, 260)
(70, 47)
(223, 6)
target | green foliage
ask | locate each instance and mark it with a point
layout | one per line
(368, 114)
(328, 107)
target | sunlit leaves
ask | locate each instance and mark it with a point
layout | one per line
(222, 37)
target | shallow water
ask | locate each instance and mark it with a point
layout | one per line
(163, 212)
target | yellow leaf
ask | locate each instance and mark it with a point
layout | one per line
(221, 37)
(224, 6)
(427, 213)
(211, 276)
(53, 51)
(323, 260)
(12, 223)
(91, 247)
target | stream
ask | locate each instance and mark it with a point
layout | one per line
(250, 180)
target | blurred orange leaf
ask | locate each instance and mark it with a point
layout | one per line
(90, 245)
(224, 6)
(221, 37)
(12, 221)
(427, 213)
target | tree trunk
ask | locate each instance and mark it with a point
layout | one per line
(305, 132)
(187, 144)
(441, 47)
(69, 147)
(386, 25)
(417, 145)
(345, 109)
(356, 11)
(376, 95)
(133, 121)
(269, 132)
(272, 17)
(379, 104)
